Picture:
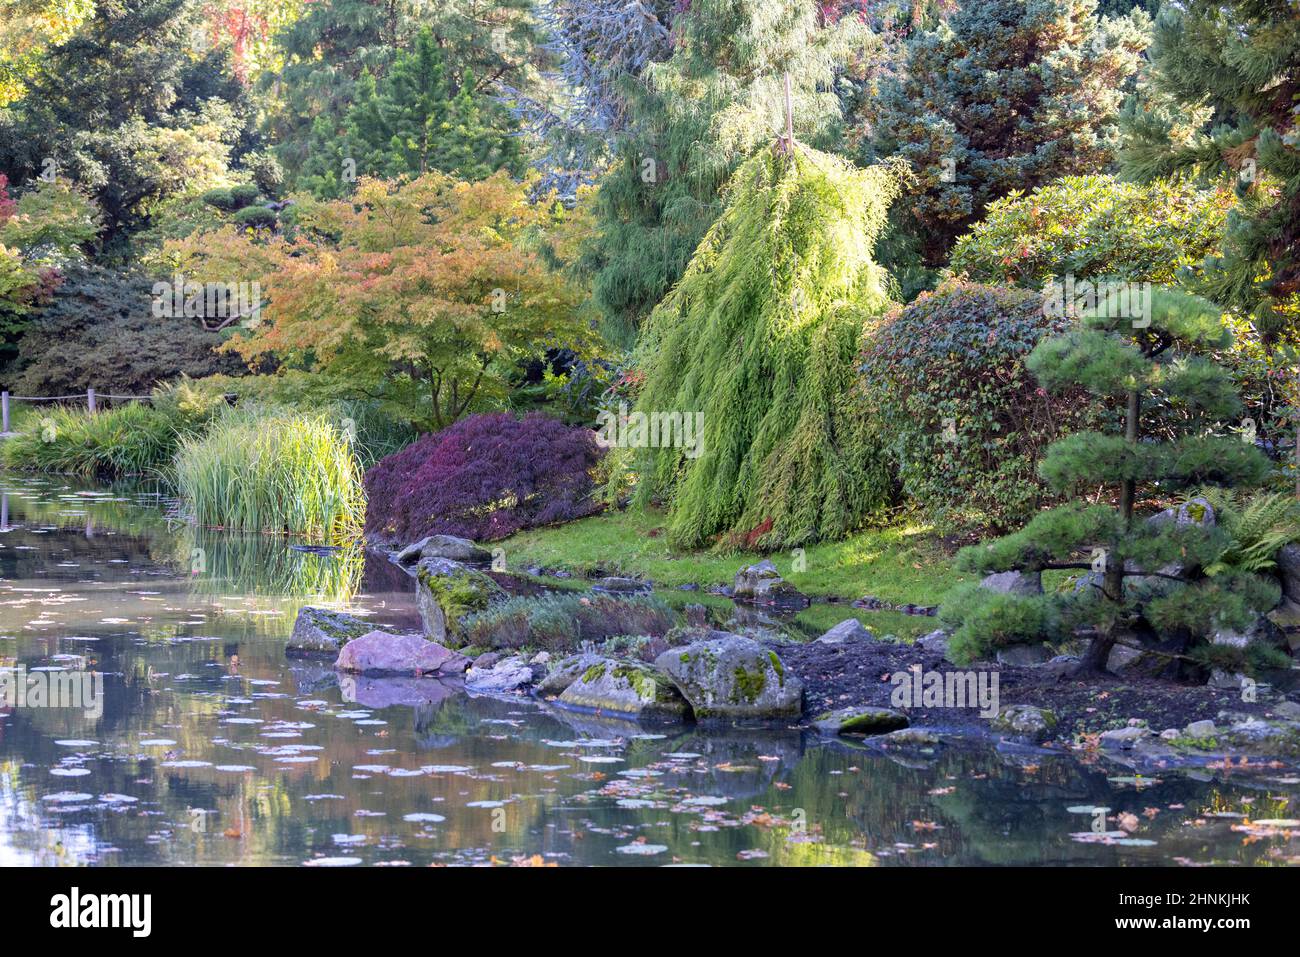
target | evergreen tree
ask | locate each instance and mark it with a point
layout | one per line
(696, 116)
(1155, 585)
(1221, 96)
(419, 117)
(759, 341)
(336, 42)
(129, 111)
(1003, 95)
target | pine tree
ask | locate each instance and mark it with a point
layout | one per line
(1221, 96)
(759, 340)
(691, 122)
(1004, 95)
(1154, 584)
(336, 43)
(419, 117)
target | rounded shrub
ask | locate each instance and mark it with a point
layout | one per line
(485, 478)
(965, 420)
(256, 217)
(1093, 226)
(245, 194)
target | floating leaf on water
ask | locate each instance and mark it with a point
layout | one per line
(69, 772)
(76, 743)
(642, 850)
(423, 817)
(186, 764)
(67, 797)
(332, 862)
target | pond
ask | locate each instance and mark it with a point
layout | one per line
(196, 741)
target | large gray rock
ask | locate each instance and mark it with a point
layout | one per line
(446, 591)
(565, 672)
(747, 578)
(847, 631)
(865, 720)
(1024, 721)
(508, 674)
(732, 676)
(319, 631)
(936, 642)
(626, 688)
(443, 546)
(1014, 583)
(379, 653)
(1196, 511)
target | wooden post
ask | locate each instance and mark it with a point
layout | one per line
(90, 399)
(4, 410)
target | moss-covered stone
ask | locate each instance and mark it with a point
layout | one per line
(446, 592)
(320, 631)
(626, 689)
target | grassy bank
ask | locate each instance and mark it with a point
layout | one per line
(898, 564)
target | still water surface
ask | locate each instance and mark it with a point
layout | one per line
(209, 746)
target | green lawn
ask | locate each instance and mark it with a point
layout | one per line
(897, 564)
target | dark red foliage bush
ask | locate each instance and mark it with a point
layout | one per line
(484, 478)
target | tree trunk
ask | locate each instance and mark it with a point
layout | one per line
(1098, 653)
(1094, 659)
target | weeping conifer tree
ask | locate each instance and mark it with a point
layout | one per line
(760, 337)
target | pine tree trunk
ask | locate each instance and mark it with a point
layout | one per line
(1098, 653)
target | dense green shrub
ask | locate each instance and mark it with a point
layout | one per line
(99, 331)
(966, 422)
(758, 340)
(1092, 226)
(273, 471)
(256, 217)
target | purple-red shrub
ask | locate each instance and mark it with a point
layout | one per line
(484, 478)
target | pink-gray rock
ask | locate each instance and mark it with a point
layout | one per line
(380, 653)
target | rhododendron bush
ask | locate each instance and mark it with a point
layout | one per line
(485, 478)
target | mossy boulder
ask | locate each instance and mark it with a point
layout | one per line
(565, 672)
(319, 631)
(1025, 722)
(446, 591)
(624, 688)
(861, 721)
(731, 676)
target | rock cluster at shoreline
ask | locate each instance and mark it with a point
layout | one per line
(839, 684)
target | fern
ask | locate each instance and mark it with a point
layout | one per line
(1259, 525)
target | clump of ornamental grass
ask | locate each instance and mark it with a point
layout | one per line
(760, 337)
(273, 471)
